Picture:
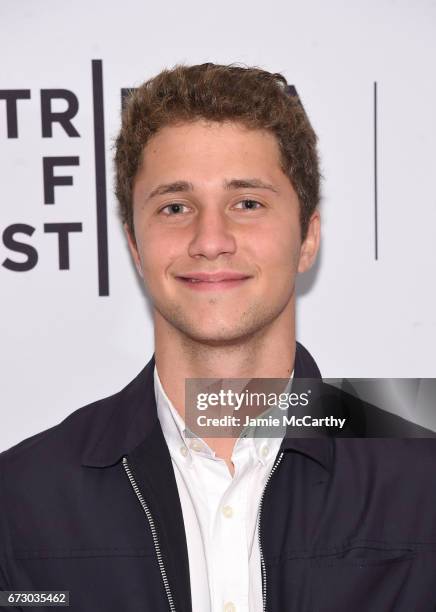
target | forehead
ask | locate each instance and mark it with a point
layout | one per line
(211, 147)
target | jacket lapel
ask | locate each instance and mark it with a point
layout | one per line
(127, 426)
(152, 468)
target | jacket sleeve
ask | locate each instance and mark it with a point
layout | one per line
(3, 582)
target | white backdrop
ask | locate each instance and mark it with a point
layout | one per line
(64, 345)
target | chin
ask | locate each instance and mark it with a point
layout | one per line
(212, 338)
(230, 326)
(218, 332)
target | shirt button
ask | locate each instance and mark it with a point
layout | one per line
(195, 445)
(229, 607)
(228, 513)
(265, 451)
(183, 451)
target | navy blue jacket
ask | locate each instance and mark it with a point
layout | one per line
(91, 506)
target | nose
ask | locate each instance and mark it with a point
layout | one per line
(212, 235)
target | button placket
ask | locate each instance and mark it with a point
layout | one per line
(230, 545)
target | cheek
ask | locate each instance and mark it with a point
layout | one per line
(157, 252)
(278, 253)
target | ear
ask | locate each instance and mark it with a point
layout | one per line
(133, 249)
(310, 246)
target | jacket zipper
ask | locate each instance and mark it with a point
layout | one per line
(153, 533)
(262, 560)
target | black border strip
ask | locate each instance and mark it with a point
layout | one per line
(100, 178)
(375, 176)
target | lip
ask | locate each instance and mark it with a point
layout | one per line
(213, 277)
(213, 281)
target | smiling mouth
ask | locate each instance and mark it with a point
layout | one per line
(213, 284)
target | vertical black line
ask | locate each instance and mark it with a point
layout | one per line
(375, 176)
(100, 178)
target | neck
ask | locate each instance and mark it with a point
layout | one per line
(268, 353)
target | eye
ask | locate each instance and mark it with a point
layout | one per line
(249, 204)
(173, 209)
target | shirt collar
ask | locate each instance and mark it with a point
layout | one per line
(177, 435)
(255, 433)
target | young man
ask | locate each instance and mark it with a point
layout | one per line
(218, 184)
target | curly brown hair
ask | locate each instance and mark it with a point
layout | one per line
(252, 97)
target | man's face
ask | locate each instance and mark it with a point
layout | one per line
(217, 231)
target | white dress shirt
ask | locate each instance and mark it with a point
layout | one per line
(220, 512)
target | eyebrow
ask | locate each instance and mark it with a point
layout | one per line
(183, 186)
(175, 187)
(249, 183)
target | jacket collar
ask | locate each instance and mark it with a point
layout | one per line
(120, 423)
(320, 448)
